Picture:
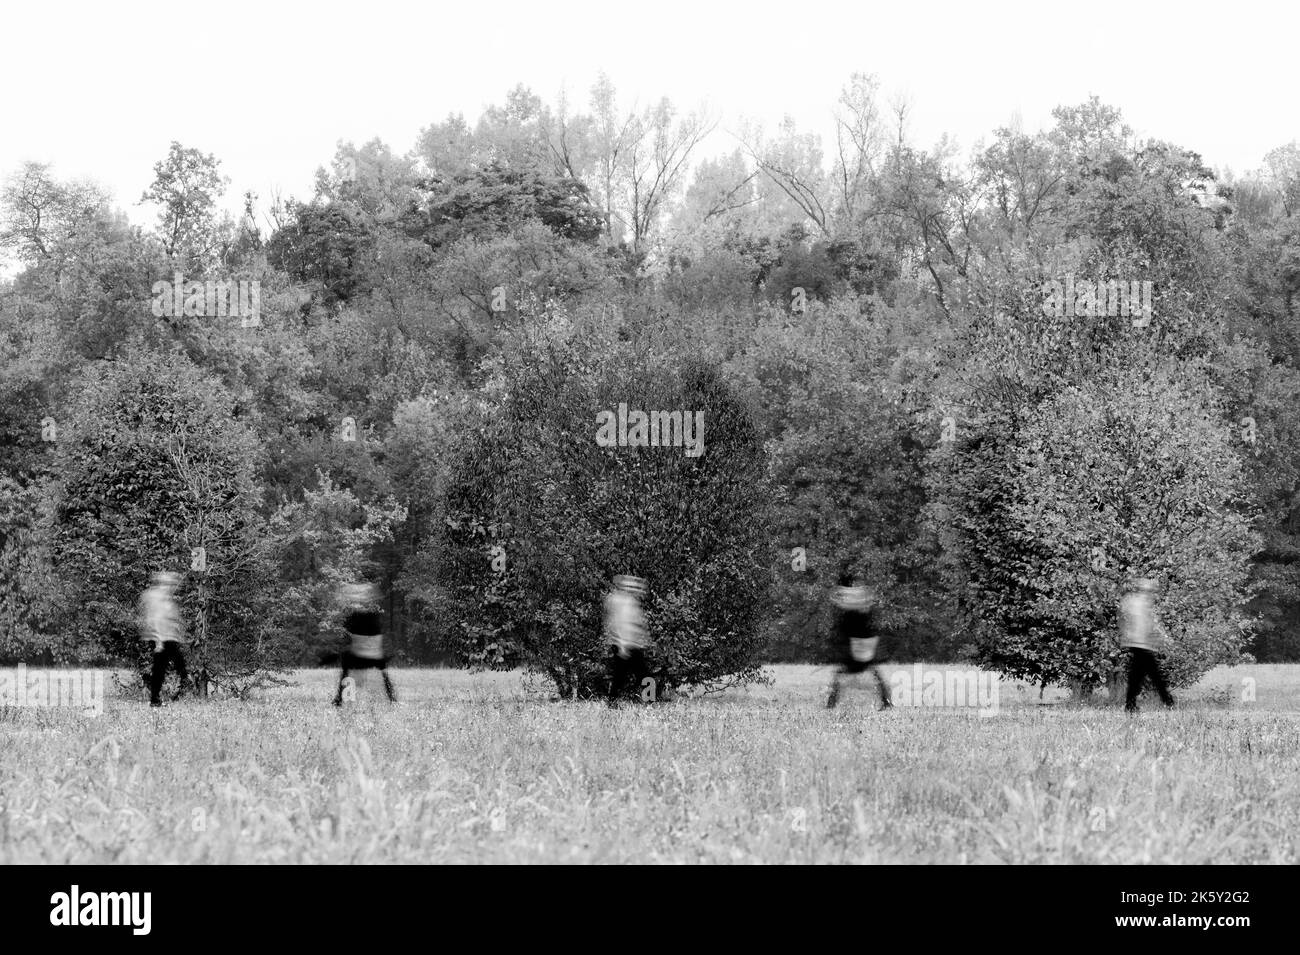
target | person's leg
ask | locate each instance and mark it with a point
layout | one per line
(346, 662)
(834, 696)
(1149, 668)
(880, 685)
(620, 667)
(178, 660)
(1136, 671)
(156, 678)
(388, 684)
(637, 667)
(623, 666)
(1158, 681)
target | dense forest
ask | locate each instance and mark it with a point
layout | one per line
(995, 384)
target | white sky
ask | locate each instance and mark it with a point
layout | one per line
(100, 89)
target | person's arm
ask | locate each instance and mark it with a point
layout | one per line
(617, 618)
(624, 622)
(152, 624)
(624, 630)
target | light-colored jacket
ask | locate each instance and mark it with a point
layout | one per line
(160, 618)
(624, 622)
(1139, 624)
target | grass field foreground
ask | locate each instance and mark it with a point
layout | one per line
(481, 768)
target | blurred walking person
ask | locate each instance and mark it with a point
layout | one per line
(160, 623)
(1142, 633)
(626, 632)
(855, 642)
(364, 624)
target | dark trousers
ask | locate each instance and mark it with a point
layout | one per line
(169, 652)
(1141, 664)
(352, 662)
(623, 669)
(853, 667)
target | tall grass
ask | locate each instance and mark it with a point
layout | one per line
(475, 768)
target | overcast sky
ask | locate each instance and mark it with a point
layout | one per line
(100, 89)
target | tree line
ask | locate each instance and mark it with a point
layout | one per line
(864, 325)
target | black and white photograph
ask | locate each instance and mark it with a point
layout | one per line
(650, 434)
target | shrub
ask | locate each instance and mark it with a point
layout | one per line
(152, 466)
(565, 515)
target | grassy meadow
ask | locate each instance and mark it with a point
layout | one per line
(484, 768)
